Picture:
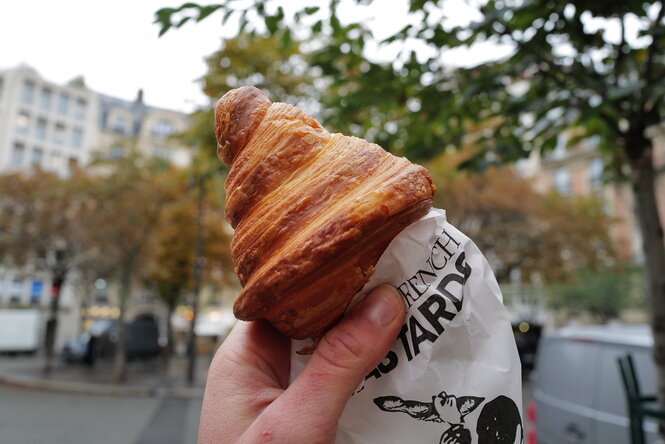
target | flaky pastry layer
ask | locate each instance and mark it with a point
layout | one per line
(312, 211)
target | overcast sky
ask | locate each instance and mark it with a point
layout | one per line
(115, 45)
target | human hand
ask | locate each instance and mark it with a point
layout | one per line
(248, 398)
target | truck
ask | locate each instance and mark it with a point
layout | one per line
(19, 330)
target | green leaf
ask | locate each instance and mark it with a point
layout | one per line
(182, 21)
(227, 15)
(205, 11)
(272, 23)
(286, 39)
(165, 27)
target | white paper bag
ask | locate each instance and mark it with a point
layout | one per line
(453, 376)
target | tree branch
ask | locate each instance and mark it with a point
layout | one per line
(651, 51)
(619, 57)
(649, 64)
(552, 67)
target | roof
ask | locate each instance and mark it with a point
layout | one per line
(637, 335)
(137, 108)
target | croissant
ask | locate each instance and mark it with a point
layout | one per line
(312, 211)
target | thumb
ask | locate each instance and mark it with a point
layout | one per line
(345, 355)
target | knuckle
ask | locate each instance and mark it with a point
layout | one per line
(263, 397)
(341, 348)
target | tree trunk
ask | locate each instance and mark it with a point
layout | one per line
(52, 322)
(168, 352)
(199, 260)
(644, 180)
(120, 372)
(86, 297)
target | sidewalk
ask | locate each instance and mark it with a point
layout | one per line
(145, 378)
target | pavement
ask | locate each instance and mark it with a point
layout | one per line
(30, 416)
(76, 404)
(145, 378)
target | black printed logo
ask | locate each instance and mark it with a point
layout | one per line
(499, 420)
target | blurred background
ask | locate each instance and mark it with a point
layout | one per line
(542, 123)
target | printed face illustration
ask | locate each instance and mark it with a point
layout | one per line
(452, 410)
(498, 422)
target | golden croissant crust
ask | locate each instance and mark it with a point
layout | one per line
(312, 211)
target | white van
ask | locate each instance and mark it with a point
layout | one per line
(19, 330)
(578, 393)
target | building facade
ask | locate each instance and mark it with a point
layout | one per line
(579, 171)
(44, 124)
(127, 125)
(56, 127)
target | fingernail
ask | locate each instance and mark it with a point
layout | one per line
(380, 306)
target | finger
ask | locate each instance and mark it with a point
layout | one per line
(248, 373)
(347, 353)
(256, 349)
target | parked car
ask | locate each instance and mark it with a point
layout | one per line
(100, 341)
(578, 393)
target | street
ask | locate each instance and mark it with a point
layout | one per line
(37, 417)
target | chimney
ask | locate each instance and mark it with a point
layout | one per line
(139, 97)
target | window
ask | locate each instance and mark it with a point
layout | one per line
(101, 291)
(79, 110)
(162, 129)
(28, 92)
(562, 181)
(40, 130)
(116, 152)
(596, 173)
(59, 133)
(560, 148)
(593, 142)
(56, 161)
(37, 156)
(161, 153)
(16, 290)
(77, 138)
(45, 100)
(63, 104)
(18, 153)
(22, 122)
(119, 125)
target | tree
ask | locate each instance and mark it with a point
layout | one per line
(256, 60)
(171, 261)
(131, 194)
(564, 70)
(243, 61)
(518, 228)
(602, 293)
(44, 222)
